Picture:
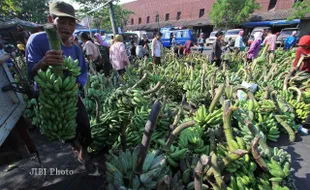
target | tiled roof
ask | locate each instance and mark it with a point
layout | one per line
(273, 15)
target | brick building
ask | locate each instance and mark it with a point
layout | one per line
(193, 13)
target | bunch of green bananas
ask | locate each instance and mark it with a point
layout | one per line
(301, 108)
(268, 125)
(58, 99)
(120, 170)
(286, 95)
(203, 118)
(191, 138)
(267, 106)
(278, 171)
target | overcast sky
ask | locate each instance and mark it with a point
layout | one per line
(76, 6)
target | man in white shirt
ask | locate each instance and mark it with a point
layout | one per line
(156, 48)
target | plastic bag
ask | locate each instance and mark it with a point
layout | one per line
(250, 86)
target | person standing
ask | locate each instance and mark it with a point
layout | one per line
(156, 48)
(291, 41)
(118, 55)
(91, 51)
(255, 46)
(217, 49)
(201, 43)
(187, 47)
(239, 45)
(39, 56)
(103, 47)
(145, 43)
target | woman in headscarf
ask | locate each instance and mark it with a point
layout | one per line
(100, 41)
(255, 46)
(103, 47)
(118, 56)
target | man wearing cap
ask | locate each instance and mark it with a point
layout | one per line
(39, 56)
(291, 41)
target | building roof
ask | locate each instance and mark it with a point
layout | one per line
(273, 15)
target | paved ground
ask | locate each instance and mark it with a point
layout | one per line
(60, 156)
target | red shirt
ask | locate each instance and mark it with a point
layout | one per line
(305, 66)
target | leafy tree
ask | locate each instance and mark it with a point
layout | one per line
(231, 13)
(29, 10)
(102, 17)
(300, 9)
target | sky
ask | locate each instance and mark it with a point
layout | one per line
(76, 6)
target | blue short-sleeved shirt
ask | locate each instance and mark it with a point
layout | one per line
(38, 45)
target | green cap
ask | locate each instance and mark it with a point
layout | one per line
(62, 9)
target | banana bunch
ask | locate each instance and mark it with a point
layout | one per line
(107, 130)
(280, 155)
(278, 171)
(301, 108)
(286, 95)
(263, 182)
(259, 94)
(137, 125)
(191, 138)
(268, 126)
(175, 155)
(203, 118)
(120, 170)
(57, 101)
(267, 106)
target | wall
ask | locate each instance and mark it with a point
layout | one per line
(189, 8)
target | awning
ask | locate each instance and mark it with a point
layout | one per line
(271, 23)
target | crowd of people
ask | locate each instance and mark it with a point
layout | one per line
(261, 39)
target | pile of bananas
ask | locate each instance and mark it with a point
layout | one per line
(205, 119)
(302, 109)
(268, 126)
(120, 170)
(57, 101)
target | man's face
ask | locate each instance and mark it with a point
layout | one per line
(65, 26)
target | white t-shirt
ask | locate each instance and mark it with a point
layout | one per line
(157, 48)
(91, 49)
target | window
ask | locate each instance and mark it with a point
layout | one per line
(167, 17)
(148, 19)
(201, 12)
(272, 4)
(178, 15)
(140, 20)
(132, 21)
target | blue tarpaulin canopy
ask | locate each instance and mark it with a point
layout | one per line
(271, 23)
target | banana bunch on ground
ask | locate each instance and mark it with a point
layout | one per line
(32, 111)
(191, 138)
(204, 119)
(302, 109)
(266, 106)
(175, 155)
(57, 101)
(137, 124)
(278, 171)
(268, 125)
(105, 132)
(127, 99)
(120, 170)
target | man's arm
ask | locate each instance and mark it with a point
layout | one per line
(153, 47)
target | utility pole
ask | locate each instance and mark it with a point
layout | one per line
(112, 18)
(157, 20)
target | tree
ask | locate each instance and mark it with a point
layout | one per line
(102, 17)
(231, 13)
(30, 10)
(300, 9)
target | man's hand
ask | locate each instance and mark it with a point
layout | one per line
(53, 58)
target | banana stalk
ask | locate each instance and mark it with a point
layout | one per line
(152, 90)
(54, 42)
(218, 95)
(98, 107)
(213, 78)
(177, 131)
(256, 134)
(228, 110)
(177, 117)
(232, 156)
(202, 163)
(256, 155)
(147, 136)
(298, 92)
(286, 127)
(217, 172)
(140, 81)
(164, 184)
